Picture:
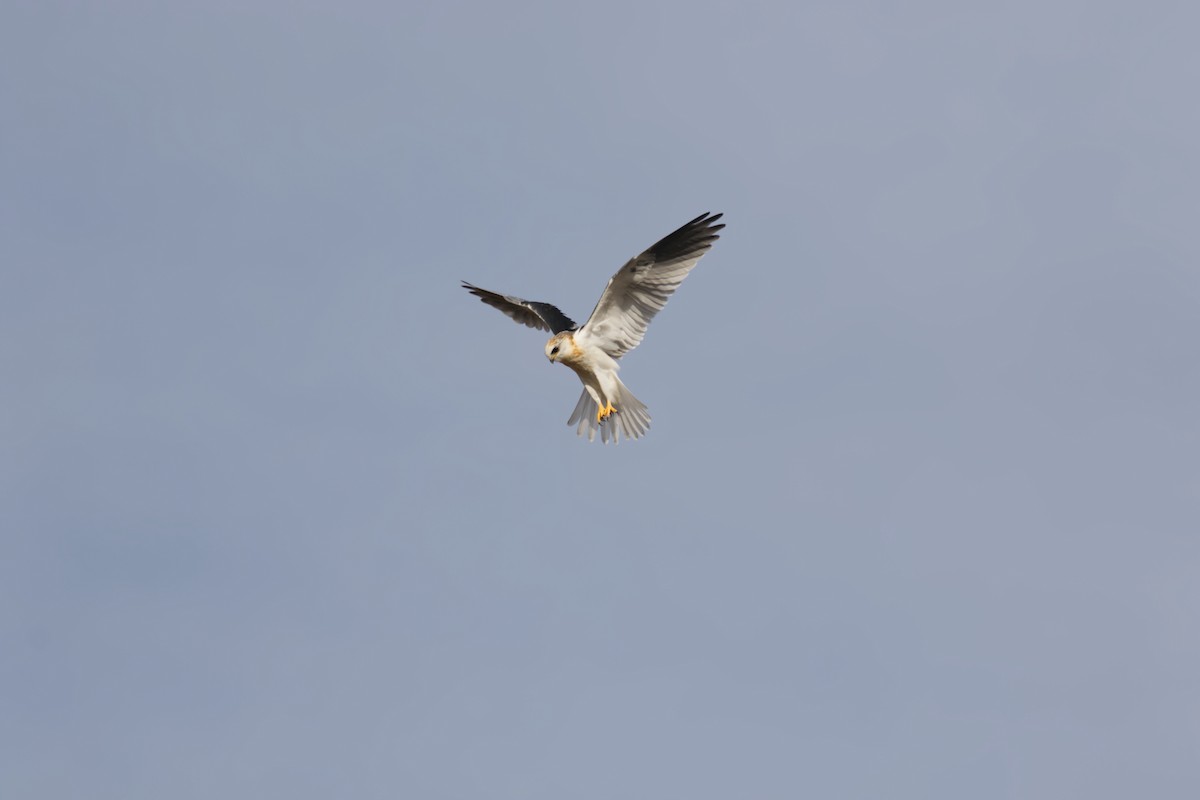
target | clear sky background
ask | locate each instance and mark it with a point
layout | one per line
(286, 513)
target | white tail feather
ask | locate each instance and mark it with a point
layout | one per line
(631, 419)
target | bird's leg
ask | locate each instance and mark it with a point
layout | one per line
(602, 414)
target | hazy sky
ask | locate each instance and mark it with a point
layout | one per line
(285, 513)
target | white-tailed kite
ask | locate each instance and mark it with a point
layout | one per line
(633, 296)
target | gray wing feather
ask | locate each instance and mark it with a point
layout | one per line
(527, 312)
(641, 288)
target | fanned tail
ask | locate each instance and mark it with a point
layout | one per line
(632, 418)
(585, 415)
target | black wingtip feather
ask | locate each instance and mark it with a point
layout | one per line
(695, 236)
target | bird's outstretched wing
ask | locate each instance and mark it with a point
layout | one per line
(642, 287)
(527, 312)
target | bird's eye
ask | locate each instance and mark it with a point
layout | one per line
(554, 351)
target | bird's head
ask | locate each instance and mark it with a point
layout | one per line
(560, 346)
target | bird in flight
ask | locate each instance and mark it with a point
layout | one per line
(637, 292)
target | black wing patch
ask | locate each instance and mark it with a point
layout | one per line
(542, 316)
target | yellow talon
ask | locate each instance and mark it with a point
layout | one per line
(602, 414)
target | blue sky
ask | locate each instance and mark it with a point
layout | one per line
(286, 513)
